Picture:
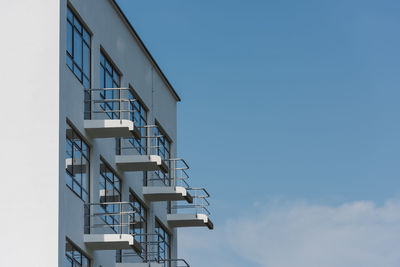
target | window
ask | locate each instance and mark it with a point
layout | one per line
(74, 257)
(77, 164)
(163, 239)
(78, 49)
(109, 78)
(110, 191)
(139, 116)
(163, 150)
(140, 226)
(163, 144)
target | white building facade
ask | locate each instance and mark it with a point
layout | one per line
(90, 142)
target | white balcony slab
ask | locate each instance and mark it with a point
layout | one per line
(166, 193)
(147, 264)
(111, 242)
(110, 128)
(141, 163)
(189, 220)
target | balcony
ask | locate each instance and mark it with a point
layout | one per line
(192, 215)
(170, 187)
(141, 154)
(153, 255)
(109, 226)
(109, 113)
(134, 163)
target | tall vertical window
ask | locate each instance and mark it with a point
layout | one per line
(109, 78)
(139, 116)
(78, 49)
(163, 147)
(163, 144)
(110, 191)
(140, 226)
(77, 164)
(163, 241)
(74, 256)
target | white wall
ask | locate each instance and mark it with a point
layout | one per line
(29, 137)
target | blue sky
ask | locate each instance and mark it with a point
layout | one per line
(288, 107)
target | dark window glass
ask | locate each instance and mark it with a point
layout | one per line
(109, 78)
(77, 164)
(163, 248)
(163, 144)
(110, 191)
(163, 147)
(74, 257)
(139, 116)
(78, 49)
(140, 226)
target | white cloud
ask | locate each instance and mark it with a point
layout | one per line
(357, 234)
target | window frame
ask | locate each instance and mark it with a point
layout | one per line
(165, 139)
(107, 66)
(115, 208)
(139, 107)
(74, 181)
(166, 243)
(134, 198)
(77, 25)
(72, 258)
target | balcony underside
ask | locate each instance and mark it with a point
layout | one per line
(147, 264)
(189, 220)
(135, 163)
(75, 165)
(112, 242)
(166, 193)
(111, 128)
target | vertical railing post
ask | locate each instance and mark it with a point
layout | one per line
(120, 104)
(120, 218)
(173, 172)
(196, 201)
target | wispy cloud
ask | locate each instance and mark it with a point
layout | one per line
(357, 234)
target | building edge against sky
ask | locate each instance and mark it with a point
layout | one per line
(114, 151)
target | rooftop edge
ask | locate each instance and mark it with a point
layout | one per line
(143, 46)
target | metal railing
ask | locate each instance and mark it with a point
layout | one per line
(110, 217)
(148, 144)
(148, 141)
(109, 103)
(200, 202)
(176, 176)
(153, 251)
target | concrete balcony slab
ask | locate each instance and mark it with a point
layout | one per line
(166, 193)
(111, 128)
(189, 220)
(112, 242)
(141, 163)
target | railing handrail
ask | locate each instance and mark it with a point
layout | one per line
(97, 103)
(120, 218)
(107, 203)
(200, 201)
(110, 88)
(207, 195)
(152, 250)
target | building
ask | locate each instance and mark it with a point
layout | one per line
(89, 147)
